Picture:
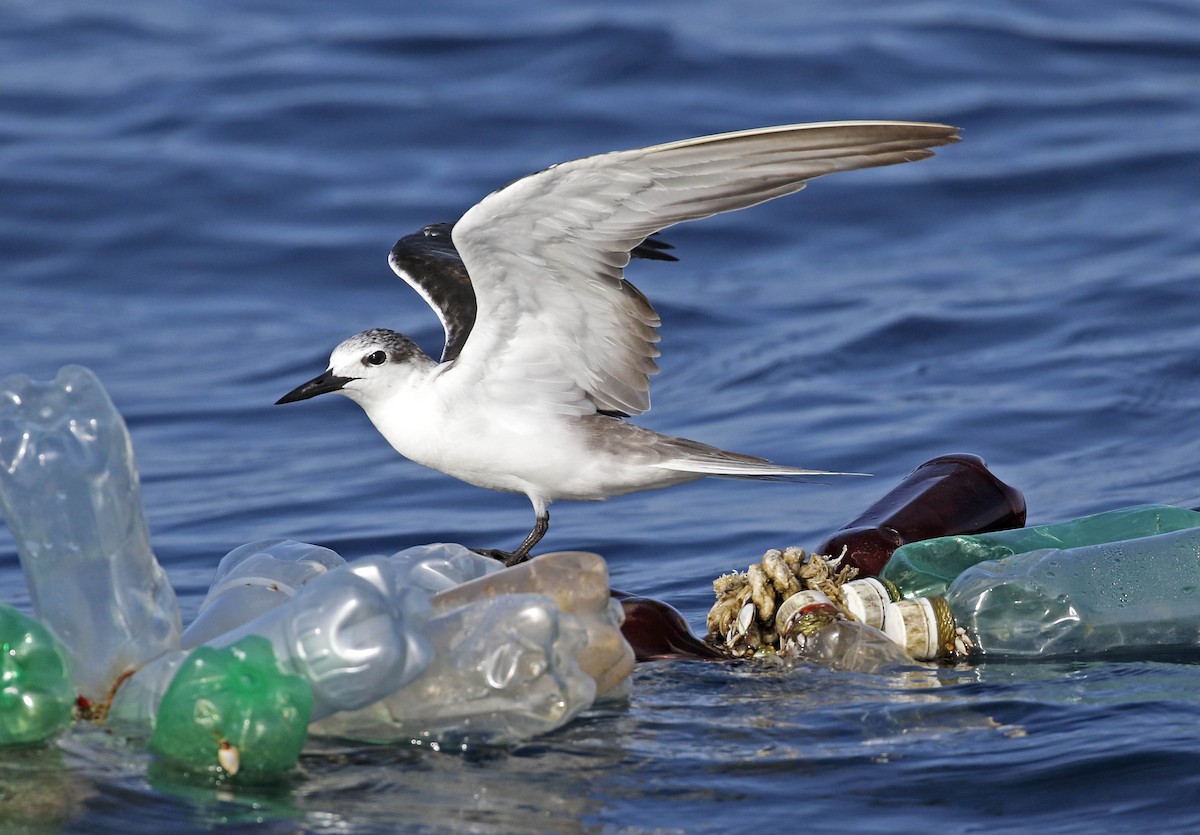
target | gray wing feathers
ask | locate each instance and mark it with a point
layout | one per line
(547, 253)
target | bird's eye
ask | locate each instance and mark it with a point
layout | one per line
(376, 358)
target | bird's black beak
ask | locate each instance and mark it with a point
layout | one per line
(324, 384)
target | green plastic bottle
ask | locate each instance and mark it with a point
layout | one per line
(231, 711)
(924, 569)
(1131, 598)
(36, 695)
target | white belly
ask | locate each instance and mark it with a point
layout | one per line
(549, 458)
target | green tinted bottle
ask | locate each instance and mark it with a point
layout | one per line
(231, 710)
(36, 695)
(922, 569)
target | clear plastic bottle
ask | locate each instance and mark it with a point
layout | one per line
(923, 569)
(811, 629)
(578, 582)
(1112, 598)
(70, 493)
(354, 634)
(254, 579)
(505, 669)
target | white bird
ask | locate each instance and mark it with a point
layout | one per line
(548, 347)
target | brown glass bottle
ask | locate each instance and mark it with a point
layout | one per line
(950, 494)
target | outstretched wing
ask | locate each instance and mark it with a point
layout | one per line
(557, 323)
(429, 263)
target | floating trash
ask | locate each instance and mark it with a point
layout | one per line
(924, 569)
(36, 694)
(432, 644)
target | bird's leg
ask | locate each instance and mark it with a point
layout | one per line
(511, 558)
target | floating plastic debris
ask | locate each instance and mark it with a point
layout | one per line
(231, 710)
(578, 583)
(812, 629)
(742, 621)
(924, 569)
(252, 580)
(353, 634)
(70, 494)
(504, 669)
(658, 631)
(36, 695)
(1117, 597)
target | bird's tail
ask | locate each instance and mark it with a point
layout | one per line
(702, 459)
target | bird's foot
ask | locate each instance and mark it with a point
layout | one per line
(509, 558)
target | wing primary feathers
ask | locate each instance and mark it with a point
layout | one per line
(653, 249)
(428, 261)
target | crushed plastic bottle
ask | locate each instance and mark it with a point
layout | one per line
(254, 579)
(924, 569)
(578, 582)
(354, 634)
(232, 711)
(441, 566)
(70, 493)
(36, 695)
(504, 669)
(1112, 598)
(950, 494)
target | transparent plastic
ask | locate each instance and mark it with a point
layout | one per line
(817, 633)
(70, 494)
(231, 710)
(505, 669)
(36, 695)
(578, 582)
(354, 634)
(254, 579)
(135, 704)
(441, 566)
(923, 569)
(1118, 597)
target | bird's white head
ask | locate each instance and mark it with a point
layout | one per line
(369, 367)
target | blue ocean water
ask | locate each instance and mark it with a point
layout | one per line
(197, 203)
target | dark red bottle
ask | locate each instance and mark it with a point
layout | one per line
(950, 494)
(657, 631)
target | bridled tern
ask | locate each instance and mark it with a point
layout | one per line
(548, 348)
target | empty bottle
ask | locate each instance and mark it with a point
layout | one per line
(231, 710)
(252, 580)
(867, 599)
(36, 695)
(70, 493)
(505, 669)
(440, 566)
(658, 631)
(923, 569)
(352, 634)
(1111, 598)
(577, 581)
(811, 629)
(950, 494)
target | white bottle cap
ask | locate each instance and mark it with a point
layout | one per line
(867, 599)
(796, 603)
(923, 626)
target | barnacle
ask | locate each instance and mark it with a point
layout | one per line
(742, 621)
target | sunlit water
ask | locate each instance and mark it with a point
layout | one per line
(197, 203)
